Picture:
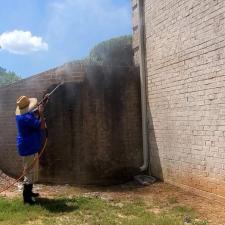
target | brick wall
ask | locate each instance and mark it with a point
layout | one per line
(185, 54)
(94, 124)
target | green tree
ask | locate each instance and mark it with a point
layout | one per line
(114, 52)
(7, 77)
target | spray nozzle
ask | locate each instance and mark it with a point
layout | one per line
(47, 96)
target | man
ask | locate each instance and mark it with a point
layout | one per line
(30, 126)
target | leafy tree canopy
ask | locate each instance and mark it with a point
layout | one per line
(7, 77)
(116, 51)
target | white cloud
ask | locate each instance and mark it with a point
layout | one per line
(21, 42)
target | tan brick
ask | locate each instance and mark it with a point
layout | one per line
(185, 56)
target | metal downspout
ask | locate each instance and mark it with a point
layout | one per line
(144, 167)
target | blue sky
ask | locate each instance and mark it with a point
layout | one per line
(36, 35)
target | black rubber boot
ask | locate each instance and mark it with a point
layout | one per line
(27, 197)
(35, 195)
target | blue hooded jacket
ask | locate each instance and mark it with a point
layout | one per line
(29, 137)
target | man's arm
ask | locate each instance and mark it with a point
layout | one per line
(42, 119)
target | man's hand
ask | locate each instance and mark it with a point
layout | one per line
(41, 108)
(45, 99)
(41, 112)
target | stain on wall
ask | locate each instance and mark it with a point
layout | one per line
(94, 126)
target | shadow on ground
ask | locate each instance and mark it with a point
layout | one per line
(58, 205)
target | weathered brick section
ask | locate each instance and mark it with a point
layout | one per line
(185, 50)
(94, 124)
(35, 86)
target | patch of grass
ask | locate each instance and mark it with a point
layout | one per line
(89, 211)
(15, 212)
(172, 200)
(188, 215)
(200, 223)
(180, 210)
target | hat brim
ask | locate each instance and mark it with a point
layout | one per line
(32, 105)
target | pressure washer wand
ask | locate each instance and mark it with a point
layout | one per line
(49, 94)
(55, 89)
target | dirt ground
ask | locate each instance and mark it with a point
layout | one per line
(159, 196)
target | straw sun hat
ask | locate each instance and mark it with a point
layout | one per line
(25, 105)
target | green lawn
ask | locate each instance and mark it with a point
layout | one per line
(93, 211)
